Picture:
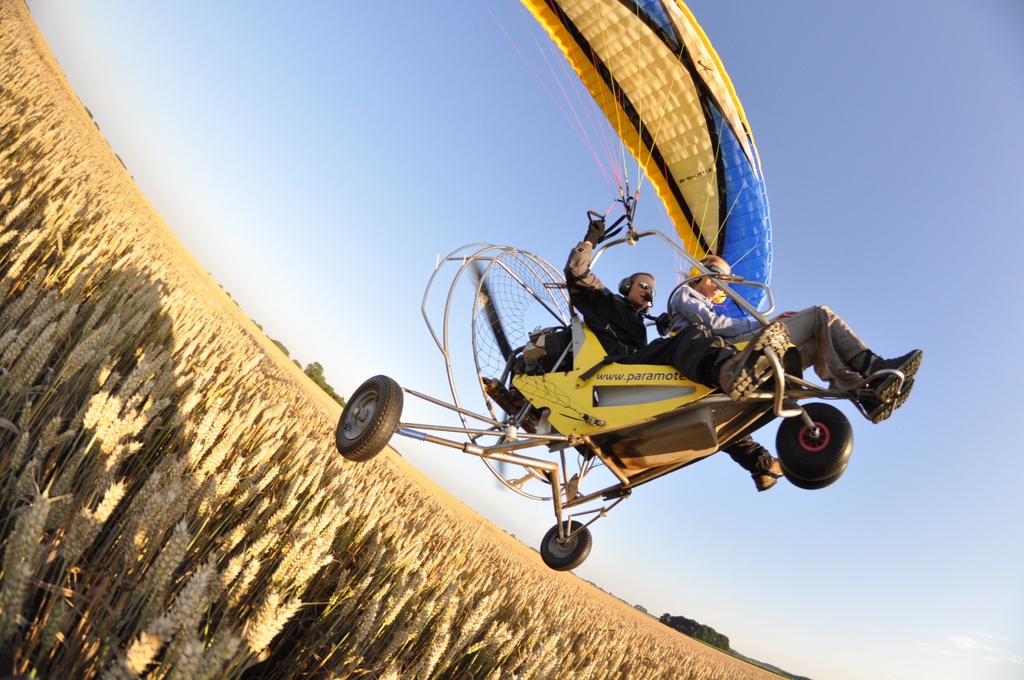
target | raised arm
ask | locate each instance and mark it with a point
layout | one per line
(577, 270)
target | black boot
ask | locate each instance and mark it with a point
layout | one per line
(907, 363)
(755, 459)
(887, 387)
(877, 410)
(743, 372)
(861, 362)
(888, 392)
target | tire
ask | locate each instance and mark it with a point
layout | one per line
(369, 419)
(571, 553)
(815, 463)
(818, 484)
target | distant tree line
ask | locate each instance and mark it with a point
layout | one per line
(315, 372)
(698, 631)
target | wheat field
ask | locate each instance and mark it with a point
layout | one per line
(172, 505)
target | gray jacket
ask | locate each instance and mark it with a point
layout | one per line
(687, 307)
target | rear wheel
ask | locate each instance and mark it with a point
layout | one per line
(813, 460)
(369, 419)
(568, 554)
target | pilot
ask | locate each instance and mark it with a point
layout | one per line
(825, 341)
(618, 321)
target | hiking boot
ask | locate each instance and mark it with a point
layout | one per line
(766, 479)
(886, 387)
(774, 336)
(877, 410)
(744, 371)
(907, 363)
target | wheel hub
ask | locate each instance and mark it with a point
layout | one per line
(815, 439)
(361, 415)
(562, 548)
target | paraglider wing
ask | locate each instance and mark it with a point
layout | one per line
(657, 79)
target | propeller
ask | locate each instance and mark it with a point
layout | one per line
(496, 390)
(493, 318)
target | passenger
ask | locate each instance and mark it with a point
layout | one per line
(825, 341)
(618, 321)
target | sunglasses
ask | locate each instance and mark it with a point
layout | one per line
(646, 286)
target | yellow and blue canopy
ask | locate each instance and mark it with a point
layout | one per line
(657, 79)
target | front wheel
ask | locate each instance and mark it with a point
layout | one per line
(813, 460)
(568, 554)
(369, 419)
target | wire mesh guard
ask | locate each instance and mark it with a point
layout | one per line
(517, 293)
(513, 294)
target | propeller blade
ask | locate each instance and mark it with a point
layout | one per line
(493, 318)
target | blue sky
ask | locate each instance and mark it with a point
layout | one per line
(317, 158)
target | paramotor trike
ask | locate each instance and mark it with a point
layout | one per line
(550, 392)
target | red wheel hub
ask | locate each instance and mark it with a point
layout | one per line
(814, 444)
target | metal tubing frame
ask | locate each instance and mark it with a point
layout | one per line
(564, 535)
(551, 471)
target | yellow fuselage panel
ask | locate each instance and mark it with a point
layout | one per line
(616, 396)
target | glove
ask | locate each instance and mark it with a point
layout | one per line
(595, 231)
(663, 323)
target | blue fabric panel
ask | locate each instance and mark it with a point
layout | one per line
(746, 235)
(654, 13)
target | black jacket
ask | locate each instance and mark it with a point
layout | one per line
(615, 322)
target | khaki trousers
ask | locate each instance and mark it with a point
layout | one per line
(826, 343)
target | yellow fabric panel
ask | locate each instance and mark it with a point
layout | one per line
(664, 95)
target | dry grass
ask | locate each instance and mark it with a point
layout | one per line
(172, 506)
